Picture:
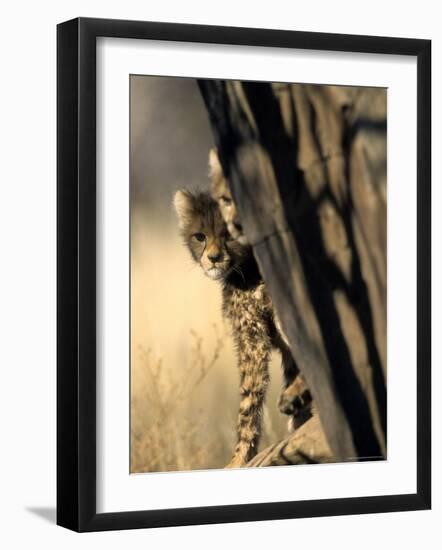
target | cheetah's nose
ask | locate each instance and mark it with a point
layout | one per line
(215, 257)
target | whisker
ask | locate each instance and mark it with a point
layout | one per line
(238, 270)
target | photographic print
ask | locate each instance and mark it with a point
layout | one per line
(222, 272)
(258, 274)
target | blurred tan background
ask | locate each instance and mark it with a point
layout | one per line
(184, 380)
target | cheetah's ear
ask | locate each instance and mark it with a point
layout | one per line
(215, 168)
(183, 204)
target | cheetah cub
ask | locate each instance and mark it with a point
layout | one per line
(248, 307)
(292, 396)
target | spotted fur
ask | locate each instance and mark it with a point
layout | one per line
(248, 307)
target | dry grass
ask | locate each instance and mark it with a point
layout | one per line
(169, 428)
(184, 381)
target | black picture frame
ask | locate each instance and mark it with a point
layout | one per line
(76, 273)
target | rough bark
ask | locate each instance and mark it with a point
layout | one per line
(306, 165)
(307, 445)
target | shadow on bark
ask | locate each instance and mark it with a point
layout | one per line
(250, 115)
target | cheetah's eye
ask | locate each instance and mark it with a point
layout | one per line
(226, 200)
(199, 237)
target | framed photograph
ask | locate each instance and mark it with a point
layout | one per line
(243, 274)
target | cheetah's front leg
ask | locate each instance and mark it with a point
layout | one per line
(295, 400)
(253, 357)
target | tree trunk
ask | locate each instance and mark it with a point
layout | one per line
(307, 445)
(306, 166)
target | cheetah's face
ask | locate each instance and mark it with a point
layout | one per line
(205, 234)
(220, 191)
(230, 214)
